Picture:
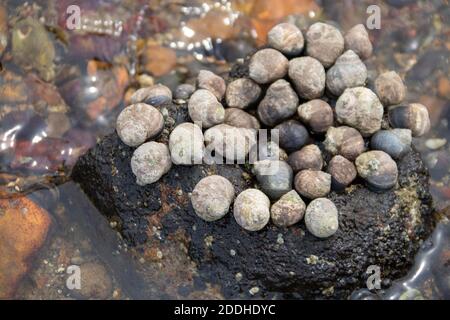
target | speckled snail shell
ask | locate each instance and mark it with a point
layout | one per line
(357, 39)
(204, 109)
(321, 218)
(313, 184)
(186, 144)
(342, 172)
(267, 65)
(390, 88)
(395, 142)
(252, 210)
(155, 95)
(345, 141)
(378, 169)
(210, 81)
(361, 109)
(414, 116)
(324, 42)
(274, 177)
(309, 157)
(317, 114)
(288, 210)
(292, 135)
(238, 118)
(184, 91)
(150, 162)
(241, 93)
(212, 197)
(308, 76)
(280, 103)
(348, 72)
(138, 123)
(286, 38)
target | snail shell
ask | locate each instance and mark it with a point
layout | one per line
(289, 210)
(345, 141)
(413, 116)
(155, 95)
(313, 184)
(240, 119)
(204, 109)
(317, 114)
(252, 210)
(357, 39)
(242, 93)
(342, 172)
(309, 157)
(210, 81)
(395, 142)
(321, 218)
(150, 162)
(308, 76)
(324, 43)
(274, 177)
(286, 38)
(292, 135)
(390, 88)
(267, 65)
(186, 144)
(378, 169)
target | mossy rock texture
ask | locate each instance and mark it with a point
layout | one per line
(383, 229)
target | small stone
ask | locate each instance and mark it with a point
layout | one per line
(324, 43)
(321, 218)
(390, 88)
(357, 39)
(344, 141)
(286, 38)
(313, 184)
(317, 114)
(309, 157)
(268, 65)
(155, 95)
(229, 142)
(395, 142)
(288, 210)
(280, 103)
(242, 93)
(252, 210)
(212, 197)
(138, 123)
(378, 169)
(204, 109)
(413, 116)
(292, 135)
(254, 291)
(213, 83)
(435, 143)
(348, 72)
(186, 144)
(184, 91)
(150, 162)
(360, 108)
(240, 119)
(274, 177)
(342, 172)
(308, 76)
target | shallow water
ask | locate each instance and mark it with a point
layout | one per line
(53, 110)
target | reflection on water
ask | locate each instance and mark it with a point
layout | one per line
(60, 90)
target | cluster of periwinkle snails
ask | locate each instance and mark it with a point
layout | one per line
(291, 93)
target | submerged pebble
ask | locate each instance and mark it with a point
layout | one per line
(150, 162)
(313, 184)
(280, 103)
(286, 38)
(342, 172)
(274, 177)
(308, 76)
(289, 210)
(292, 135)
(268, 65)
(357, 39)
(395, 142)
(204, 109)
(317, 114)
(212, 197)
(414, 116)
(378, 169)
(252, 210)
(155, 95)
(186, 144)
(213, 83)
(239, 118)
(360, 108)
(309, 157)
(321, 218)
(344, 141)
(138, 123)
(324, 43)
(348, 72)
(242, 93)
(390, 88)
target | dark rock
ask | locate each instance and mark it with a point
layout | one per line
(385, 228)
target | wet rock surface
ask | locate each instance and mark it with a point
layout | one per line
(384, 229)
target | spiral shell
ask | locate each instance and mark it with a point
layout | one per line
(267, 65)
(286, 38)
(345, 141)
(395, 142)
(289, 210)
(324, 42)
(309, 157)
(155, 95)
(413, 116)
(378, 169)
(150, 162)
(308, 76)
(390, 88)
(242, 93)
(204, 109)
(317, 114)
(240, 119)
(321, 218)
(186, 144)
(342, 172)
(252, 210)
(313, 184)
(292, 135)
(357, 39)
(274, 177)
(213, 83)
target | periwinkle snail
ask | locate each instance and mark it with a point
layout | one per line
(211, 82)
(395, 142)
(150, 162)
(342, 172)
(413, 116)
(308, 76)
(317, 114)
(324, 43)
(288, 210)
(252, 209)
(390, 88)
(345, 141)
(186, 144)
(212, 197)
(357, 39)
(240, 119)
(155, 95)
(378, 169)
(313, 184)
(292, 135)
(274, 177)
(286, 38)
(267, 65)
(241, 93)
(205, 109)
(308, 157)
(321, 218)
